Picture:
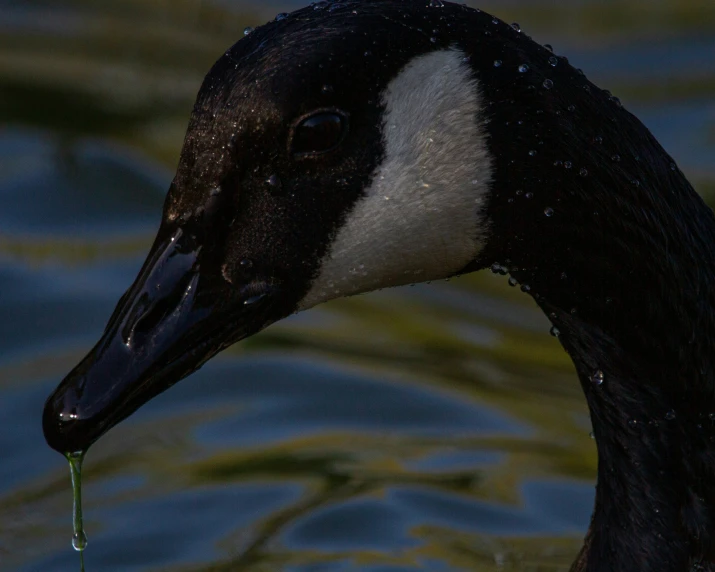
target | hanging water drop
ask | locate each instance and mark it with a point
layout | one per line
(548, 211)
(497, 63)
(79, 537)
(281, 16)
(670, 415)
(247, 30)
(554, 331)
(497, 268)
(553, 61)
(79, 541)
(548, 84)
(523, 68)
(516, 26)
(274, 181)
(253, 299)
(597, 378)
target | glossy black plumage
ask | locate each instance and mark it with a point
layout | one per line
(623, 267)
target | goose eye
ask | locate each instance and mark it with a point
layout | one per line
(318, 133)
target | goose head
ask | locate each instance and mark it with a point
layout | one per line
(361, 145)
(313, 168)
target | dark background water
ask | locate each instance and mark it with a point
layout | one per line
(437, 427)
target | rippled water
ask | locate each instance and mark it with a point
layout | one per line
(437, 427)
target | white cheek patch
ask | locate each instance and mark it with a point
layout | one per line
(420, 218)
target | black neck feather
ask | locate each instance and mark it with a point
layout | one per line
(597, 223)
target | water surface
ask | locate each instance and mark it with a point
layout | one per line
(437, 427)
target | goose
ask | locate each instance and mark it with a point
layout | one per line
(351, 146)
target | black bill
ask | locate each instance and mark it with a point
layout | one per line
(176, 316)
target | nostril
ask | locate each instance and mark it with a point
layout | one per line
(152, 315)
(155, 314)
